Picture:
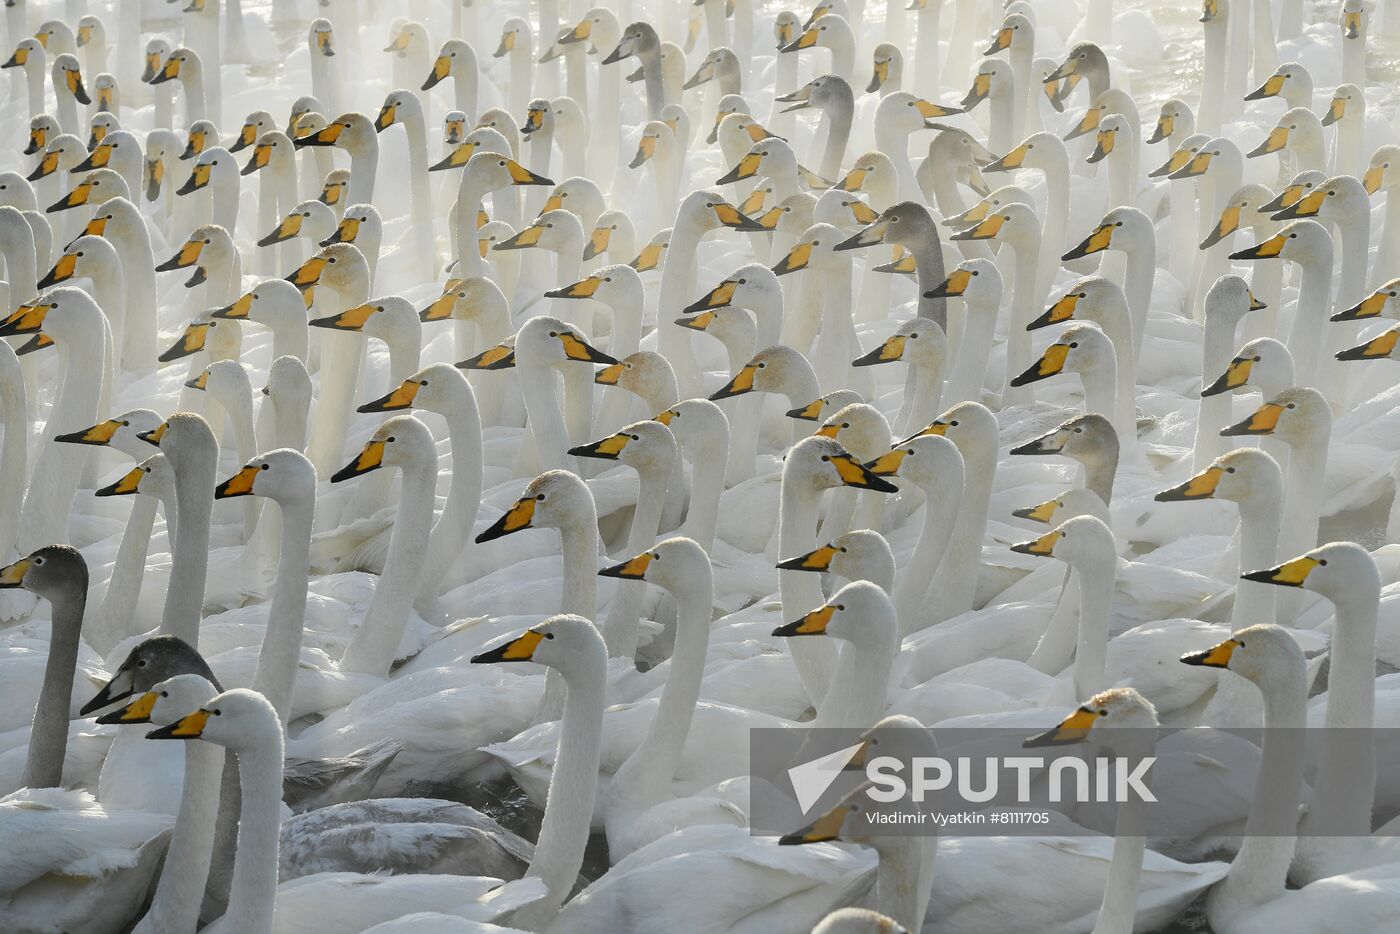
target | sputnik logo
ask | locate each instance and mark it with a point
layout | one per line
(810, 780)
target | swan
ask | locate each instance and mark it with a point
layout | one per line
(833, 97)
(119, 221)
(910, 225)
(279, 306)
(1085, 349)
(640, 39)
(30, 55)
(833, 32)
(274, 156)
(923, 345)
(186, 66)
(354, 133)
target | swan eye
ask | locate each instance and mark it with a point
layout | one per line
(842, 549)
(763, 366)
(549, 635)
(1291, 406)
(1293, 236)
(539, 497)
(634, 437)
(164, 693)
(1256, 359)
(141, 663)
(1322, 562)
(217, 712)
(38, 560)
(1103, 712)
(422, 382)
(841, 607)
(826, 457)
(1074, 343)
(914, 336)
(389, 440)
(953, 424)
(264, 467)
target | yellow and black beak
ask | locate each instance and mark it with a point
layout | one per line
(813, 624)
(747, 168)
(987, 229)
(262, 155)
(1103, 145)
(1166, 125)
(1217, 656)
(1051, 362)
(129, 483)
(1373, 179)
(138, 711)
(371, 458)
(526, 238)
(62, 271)
(1012, 160)
(650, 257)
(1096, 242)
(718, 297)
(610, 375)
(1272, 87)
(520, 649)
(740, 383)
(1229, 222)
(191, 342)
(401, 397)
(499, 357)
(888, 464)
(1370, 306)
(99, 434)
(1289, 574)
(186, 257)
(328, 135)
(1377, 348)
(1351, 23)
(190, 726)
(731, 217)
(804, 41)
(26, 319)
(889, 351)
(584, 288)
(155, 435)
(634, 569)
(1086, 125)
(1307, 206)
(13, 575)
(1043, 547)
(1264, 421)
(387, 115)
(799, 257)
(352, 319)
(1201, 486)
(240, 484)
(576, 348)
(308, 273)
(1235, 376)
(609, 448)
(200, 382)
(822, 830)
(817, 560)
(238, 310)
(289, 228)
(1043, 513)
(75, 198)
(1058, 313)
(1073, 729)
(855, 474)
(1275, 141)
(199, 178)
(517, 517)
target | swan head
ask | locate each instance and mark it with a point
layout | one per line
(1379, 174)
(930, 462)
(398, 105)
(994, 78)
(730, 326)
(708, 210)
(729, 105)
(844, 210)
(67, 74)
(302, 106)
(826, 92)
(605, 227)
(1381, 347)
(202, 331)
(1085, 438)
(1337, 198)
(150, 662)
(1288, 80)
(1093, 297)
(1343, 572)
(236, 719)
(1230, 299)
(1263, 361)
(227, 381)
(1265, 654)
(861, 555)
(578, 195)
(1353, 19)
(637, 39)
(87, 257)
(1012, 223)
(736, 129)
(750, 286)
(1241, 476)
(186, 440)
(104, 121)
(856, 613)
(822, 407)
(1017, 33)
(166, 701)
(272, 303)
(618, 284)
(440, 388)
(902, 112)
(27, 49)
(119, 432)
(887, 68)
(283, 475)
(1181, 156)
(1119, 708)
(340, 267)
(556, 499)
(1085, 543)
(491, 170)
(1297, 416)
(411, 37)
(254, 125)
(969, 425)
(716, 62)
(654, 253)
(42, 128)
(774, 369)
(475, 298)
(647, 447)
(539, 116)
(209, 247)
(110, 145)
(181, 63)
(361, 223)
(700, 426)
(402, 441)
(876, 170)
(829, 31)
(678, 565)
(320, 38)
(1076, 501)
(156, 52)
(214, 164)
(1175, 114)
(1044, 151)
(454, 58)
(860, 428)
(821, 463)
(1297, 125)
(919, 341)
(353, 132)
(1085, 60)
(152, 477)
(657, 136)
(1242, 206)
(545, 340)
(1112, 128)
(56, 573)
(558, 231)
(643, 373)
(1123, 228)
(815, 249)
(1347, 98)
(288, 383)
(567, 643)
(771, 156)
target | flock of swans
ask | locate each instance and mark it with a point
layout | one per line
(751, 420)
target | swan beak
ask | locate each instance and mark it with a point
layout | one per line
(1255, 304)
(97, 159)
(371, 458)
(584, 288)
(718, 297)
(1335, 111)
(618, 54)
(1217, 656)
(262, 155)
(155, 174)
(854, 180)
(1072, 729)
(198, 179)
(400, 398)
(1263, 422)
(195, 145)
(1175, 162)
(878, 77)
(74, 81)
(1351, 23)
(576, 348)
(869, 236)
(731, 217)
(35, 343)
(1210, 10)
(352, 319)
(1289, 574)
(505, 48)
(238, 310)
(1001, 42)
(742, 382)
(985, 230)
(200, 382)
(247, 136)
(797, 258)
(804, 41)
(1096, 242)
(1194, 167)
(1235, 376)
(1276, 140)
(650, 257)
(525, 239)
(129, 483)
(1374, 179)
(101, 433)
(1086, 125)
(608, 448)
(939, 428)
(191, 342)
(809, 412)
(534, 120)
(20, 57)
(1012, 160)
(520, 649)
(1307, 206)
(1378, 347)
(1068, 67)
(387, 115)
(190, 726)
(308, 273)
(1272, 87)
(888, 352)
(855, 474)
(240, 484)
(609, 375)
(1229, 222)
(289, 228)
(905, 265)
(138, 711)
(13, 575)
(863, 213)
(747, 167)
(46, 167)
(1166, 125)
(1201, 486)
(61, 271)
(155, 435)
(1268, 249)
(822, 830)
(1053, 443)
(1369, 307)
(830, 430)
(1051, 362)
(981, 87)
(517, 517)
(888, 464)
(953, 286)
(441, 307)
(499, 357)
(597, 242)
(1062, 310)
(457, 158)
(1043, 512)
(75, 198)
(1103, 145)
(1043, 547)
(326, 136)
(632, 570)
(170, 72)
(442, 67)
(932, 111)
(818, 560)
(813, 624)
(26, 319)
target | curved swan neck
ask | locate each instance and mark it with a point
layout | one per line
(113, 617)
(48, 738)
(184, 600)
(180, 891)
(281, 648)
(253, 891)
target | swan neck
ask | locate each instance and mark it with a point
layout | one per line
(253, 891)
(48, 738)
